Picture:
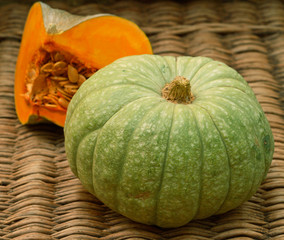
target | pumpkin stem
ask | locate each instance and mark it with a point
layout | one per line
(178, 91)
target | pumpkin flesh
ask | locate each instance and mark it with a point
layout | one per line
(92, 41)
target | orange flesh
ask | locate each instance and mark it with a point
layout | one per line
(95, 42)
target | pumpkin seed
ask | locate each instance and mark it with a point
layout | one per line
(50, 99)
(63, 83)
(71, 91)
(31, 75)
(81, 80)
(50, 105)
(52, 91)
(55, 80)
(72, 74)
(58, 57)
(59, 65)
(39, 85)
(71, 86)
(67, 98)
(58, 78)
(58, 72)
(65, 94)
(47, 68)
(59, 68)
(63, 102)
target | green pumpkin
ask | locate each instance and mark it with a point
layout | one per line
(164, 140)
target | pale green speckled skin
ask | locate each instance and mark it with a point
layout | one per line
(162, 163)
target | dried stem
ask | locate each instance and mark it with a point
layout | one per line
(178, 91)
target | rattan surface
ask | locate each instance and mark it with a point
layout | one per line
(39, 196)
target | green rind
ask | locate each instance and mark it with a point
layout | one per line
(105, 103)
(84, 159)
(116, 134)
(177, 201)
(144, 165)
(162, 163)
(216, 166)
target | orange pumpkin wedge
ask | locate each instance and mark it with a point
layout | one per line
(59, 51)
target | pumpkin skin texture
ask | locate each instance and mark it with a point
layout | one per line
(163, 163)
(94, 41)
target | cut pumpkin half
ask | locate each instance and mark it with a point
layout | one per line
(59, 51)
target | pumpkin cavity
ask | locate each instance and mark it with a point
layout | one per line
(53, 78)
(178, 91)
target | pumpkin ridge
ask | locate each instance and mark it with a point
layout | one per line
(224, 98)
(253, 102)
(221, 86)
(220, 74)
(194, 75)
(157, 67)
(92, 156)
(78, 143)
(118, 122)
(157, 195)
(183, 66)
(142, 74)
(231, 87)
(90, 91)
(146, 87)
(262, 153)
(126, 151)
(202, 163)
(180, 72)
(254, 131)
(166, 62)
(173, 71)
(204, 80)
(229, 163)
(246, 139)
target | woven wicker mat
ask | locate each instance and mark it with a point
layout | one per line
(39, 196)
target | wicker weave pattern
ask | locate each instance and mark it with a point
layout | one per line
(39, 196)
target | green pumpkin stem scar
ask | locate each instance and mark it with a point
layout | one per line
(178, 91)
